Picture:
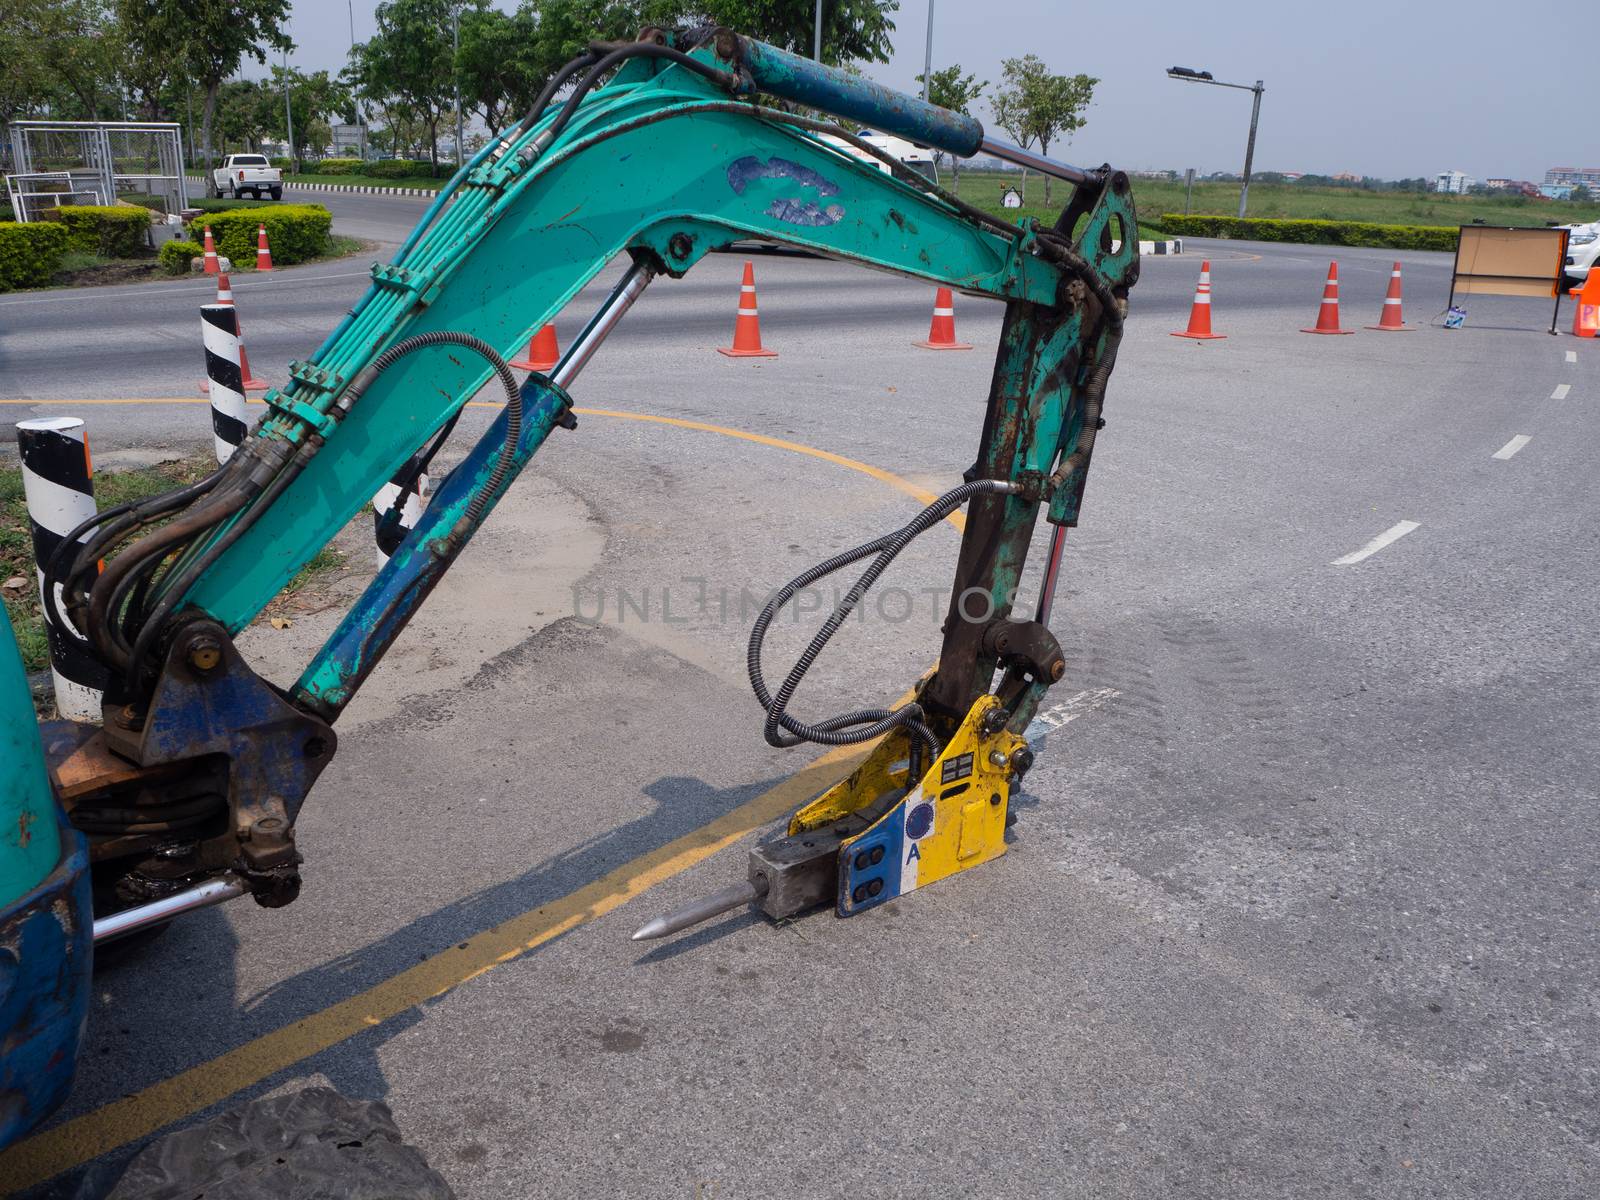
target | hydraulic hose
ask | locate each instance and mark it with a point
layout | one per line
(864, 724)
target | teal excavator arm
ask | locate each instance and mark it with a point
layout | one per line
(663, 150)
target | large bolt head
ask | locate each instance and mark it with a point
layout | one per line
(204, 653)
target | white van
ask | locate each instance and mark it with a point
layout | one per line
(918, 158)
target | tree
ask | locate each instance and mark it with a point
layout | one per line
(852, 30)
(57, 56)
(499, 64)
(313, 100)
(208, 39)
(408, 65)
(951, 89)
(1036, 106)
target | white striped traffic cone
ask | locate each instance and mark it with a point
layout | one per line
(263, 255)
(1200, 310)
(747, 325)
(1328, 314)
(211, 264)
(942, 333)
(1392, 320)
(225, 296)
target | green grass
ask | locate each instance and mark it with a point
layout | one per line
(1153, 197)
(111, 488)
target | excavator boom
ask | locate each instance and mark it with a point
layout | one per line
(657, 151)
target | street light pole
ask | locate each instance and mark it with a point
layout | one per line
(927, 57)
(1250, 147)
(816, 40)
(1188, 75)
(455, 75)
(288, 114)
(361, 116)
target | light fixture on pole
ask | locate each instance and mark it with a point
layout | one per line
(1191, 76)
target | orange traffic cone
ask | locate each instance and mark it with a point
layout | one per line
(263, 255)
(1392, 321)
(225, 296)
(942, 333)
(1586, 306)
(543, 351)
(212, 267)
(1328, 314)
(1200, 310)
(747, 325)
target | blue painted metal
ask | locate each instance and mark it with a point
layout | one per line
(46, 956)
(857, 870)
(399, 589)
(805, 81)
(46, 923)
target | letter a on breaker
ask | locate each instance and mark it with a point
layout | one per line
(916, 853)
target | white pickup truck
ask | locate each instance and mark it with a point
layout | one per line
(248, 174)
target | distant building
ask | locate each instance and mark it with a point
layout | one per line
(347, 141)
(1347, 177)
(1521, 187)
(1556, 191)
(1589, 177)
(1454, 182)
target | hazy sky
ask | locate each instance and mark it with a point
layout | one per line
(1392, 89)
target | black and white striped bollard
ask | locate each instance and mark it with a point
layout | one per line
(58, 485)
(219, 324)
(410, 513)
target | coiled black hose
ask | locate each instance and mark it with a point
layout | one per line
(868, 723)
(450, 337)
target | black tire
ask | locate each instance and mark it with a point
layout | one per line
(277, 193)
(310, 1144)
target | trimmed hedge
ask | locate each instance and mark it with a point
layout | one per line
(209, 205)
(338, 166)
(295, 232)
(1319, 233)
(399, 168)
(111, 231)
(31, 253)
(176, 256)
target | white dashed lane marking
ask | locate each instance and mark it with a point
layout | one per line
(1393, 534)
(1572, 356)
(1561, 391)
(1081, 704)
(1511, 447)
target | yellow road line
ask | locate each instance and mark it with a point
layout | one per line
(75, 1142)
(923, 495)
(81, 1139)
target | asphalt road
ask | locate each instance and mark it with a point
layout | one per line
(1302, 896)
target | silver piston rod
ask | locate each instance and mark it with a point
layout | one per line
(143, 916)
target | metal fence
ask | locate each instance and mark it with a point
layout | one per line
(94, 162)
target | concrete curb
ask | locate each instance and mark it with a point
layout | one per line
(366, 188)
(1174, 246)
